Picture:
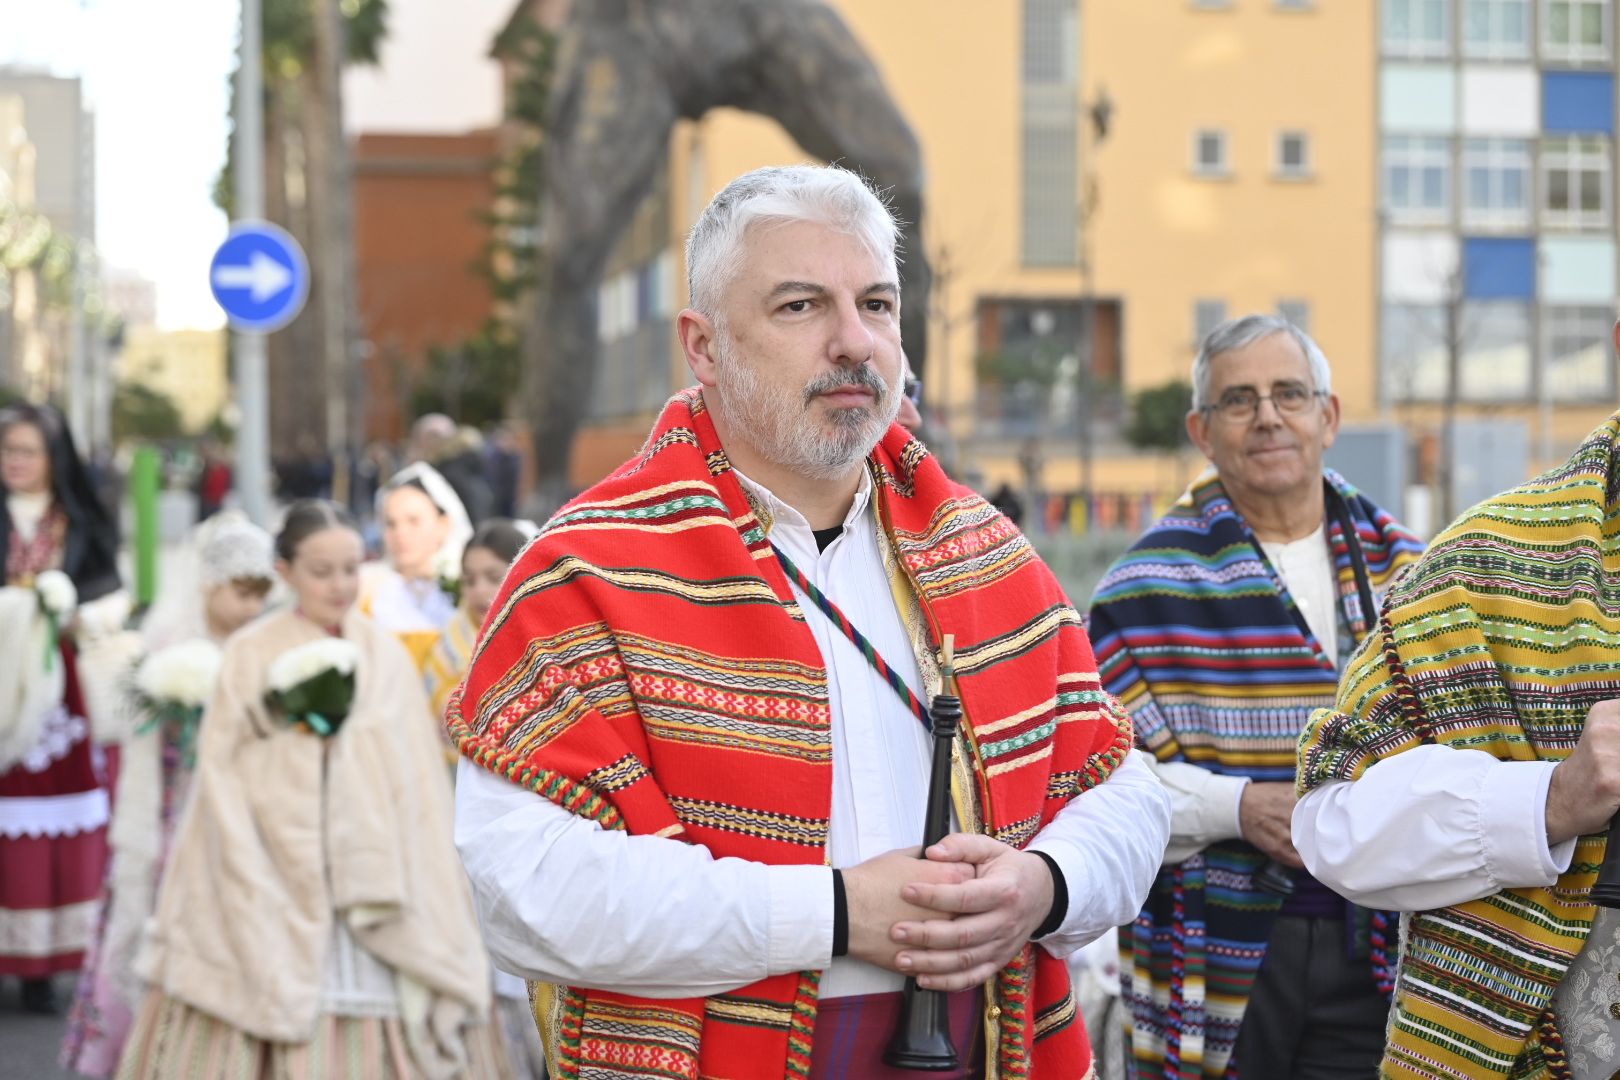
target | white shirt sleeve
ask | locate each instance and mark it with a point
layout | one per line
(1204, 807)
(563, 900)
(1431, 827)
(1108, 842)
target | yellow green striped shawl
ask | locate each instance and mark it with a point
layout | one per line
(1500, 639)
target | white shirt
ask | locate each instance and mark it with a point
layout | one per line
(685, 924)
(27, 511)
(1306, 568)
(1436, 826)
(1205, 805)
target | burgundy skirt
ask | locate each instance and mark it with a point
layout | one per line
(53, 843)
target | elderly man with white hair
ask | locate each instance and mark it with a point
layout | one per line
(1221, 629)
(695, 733)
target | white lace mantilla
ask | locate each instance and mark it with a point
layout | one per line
(53, 815)
(59, 731)
(1585, 1000)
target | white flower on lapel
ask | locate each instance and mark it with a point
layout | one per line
(57, 596)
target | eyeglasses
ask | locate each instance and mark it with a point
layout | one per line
(912, 388)
(1241, 404)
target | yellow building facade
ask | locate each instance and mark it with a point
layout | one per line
(186, 366)
(1240, 174)
(1169, 240)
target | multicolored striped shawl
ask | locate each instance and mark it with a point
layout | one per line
(1198, 637)
(648, 666)
(1500, 640)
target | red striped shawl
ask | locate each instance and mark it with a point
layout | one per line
(647, 666)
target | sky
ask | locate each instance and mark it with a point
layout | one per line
(155, 74)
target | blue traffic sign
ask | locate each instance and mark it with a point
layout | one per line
(259, 276)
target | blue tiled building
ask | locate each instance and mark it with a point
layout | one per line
(1497, 199)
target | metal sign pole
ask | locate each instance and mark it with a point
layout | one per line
(252, 389)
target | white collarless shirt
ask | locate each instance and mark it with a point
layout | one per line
(1306, 568)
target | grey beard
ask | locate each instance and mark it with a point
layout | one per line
(777, 425)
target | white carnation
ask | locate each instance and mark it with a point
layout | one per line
(56, 593)
(184, 674)
(446, 567)
(303, 663)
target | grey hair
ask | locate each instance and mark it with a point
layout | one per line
(1240, 333)
(825, 194)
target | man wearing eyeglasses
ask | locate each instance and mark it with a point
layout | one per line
(1221, 630)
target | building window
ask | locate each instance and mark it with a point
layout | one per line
(1049, 32)
(1051, 134)
(1496, 356)
(1414, 352)
(1211, 5)
(1496, 29)
(1028, 365)
(1494, 361)
(1297, 312)
(1575, 182)
(1207, 315)
(1579, 366)
(1293, 155)
(1293, 5)
(1209, 153)
(1575, 31)
(1417, 27)
(1496, 183)
(1417, 179)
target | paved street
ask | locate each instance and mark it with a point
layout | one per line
(29, 1044)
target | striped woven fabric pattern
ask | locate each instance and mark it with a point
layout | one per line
(1202, 643)
(648, 666)
(1501, 640)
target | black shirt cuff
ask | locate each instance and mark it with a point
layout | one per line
(840, 916)
(1060, 898)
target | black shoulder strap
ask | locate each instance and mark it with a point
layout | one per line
(1358, 562)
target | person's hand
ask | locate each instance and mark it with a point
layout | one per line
(989, 918)
(1585, 789)
(1265, 813)
(874, 901)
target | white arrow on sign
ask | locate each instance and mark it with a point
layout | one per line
(263, 277)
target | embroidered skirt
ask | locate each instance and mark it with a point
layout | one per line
(172, 1039)
(53, 845)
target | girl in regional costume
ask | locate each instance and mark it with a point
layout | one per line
(425, 529)
(483, 568)
(53, 796)
(182, 638)
(314, 920)
(489, 555)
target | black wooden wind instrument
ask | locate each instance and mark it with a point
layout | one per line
(1607, 890)
(922, 1038)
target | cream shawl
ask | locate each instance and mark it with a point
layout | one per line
(285, 830)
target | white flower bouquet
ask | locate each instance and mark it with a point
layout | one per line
(57, 599)
(447, 569)
(313, 684)
(173, 685)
